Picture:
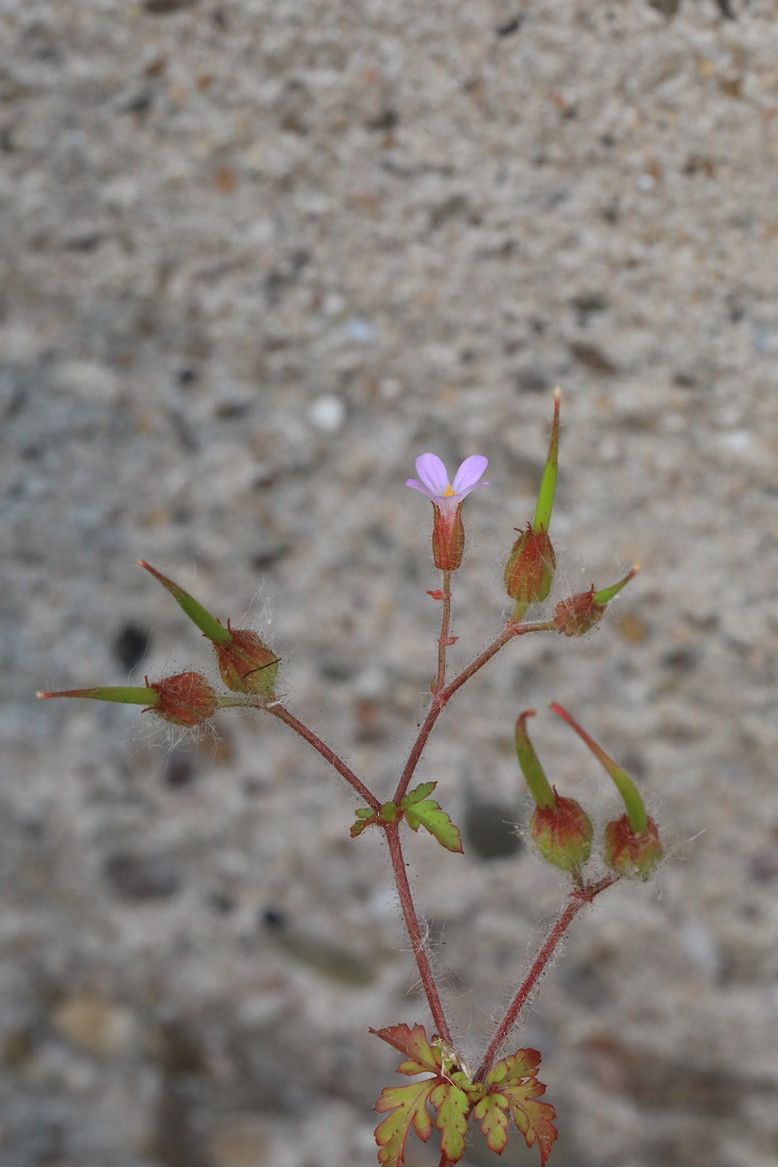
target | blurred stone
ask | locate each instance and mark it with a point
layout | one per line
(175, 1046)
(181, 765)
(130, 645)
(326, 959)
(177, 1142)
(764, 861)
(94, 1024)
(592, 357)
(243, 1143)
(327, 414)
(17, 1046)
(88, 380)
(490, 830)
(162, 7)
(141, 877)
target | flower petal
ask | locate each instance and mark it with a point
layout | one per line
(414, 485)
(468, 474)
(432, 472)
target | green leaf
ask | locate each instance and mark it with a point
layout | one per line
(418, 794)
(408, 1109)
(453, 1107)
(493, 1114)
(514, 1080)
(421, 811)
(365, 818)
(388, 813)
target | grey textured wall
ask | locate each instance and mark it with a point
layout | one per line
(256, 257)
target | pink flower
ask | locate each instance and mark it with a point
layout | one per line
(436, 485)
(448, 534)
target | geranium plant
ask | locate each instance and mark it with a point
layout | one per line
(445, 1093)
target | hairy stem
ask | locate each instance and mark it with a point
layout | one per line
(445, 623)
(579, 898)
(414, 931)
(441, 697)
(329, 755)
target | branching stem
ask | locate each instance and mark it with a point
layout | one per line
(442, 696)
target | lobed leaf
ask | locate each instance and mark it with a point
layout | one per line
(421, 811)
(365, 818)
(493, 1114)
(418, 794)
(453, 1107)
(408, 1107)
(423, 1058)
(513, 1079)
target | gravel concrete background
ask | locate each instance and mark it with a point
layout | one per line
(257, 256)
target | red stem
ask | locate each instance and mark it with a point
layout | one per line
(445, 623)
(441, 697)
(578, 900)
(329, 755)
(414, 931)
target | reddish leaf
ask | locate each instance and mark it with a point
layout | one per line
(513, 1079)
(423, 1059)
(447, 1091)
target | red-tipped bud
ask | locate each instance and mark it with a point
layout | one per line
(448, 538)
(562, 833)
(246, 664)
(185, 699)
(530, 569)
(635, 856)
(577, 614)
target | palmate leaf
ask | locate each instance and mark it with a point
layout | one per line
(406, 1106)
(421, 811)
(512, 1084)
